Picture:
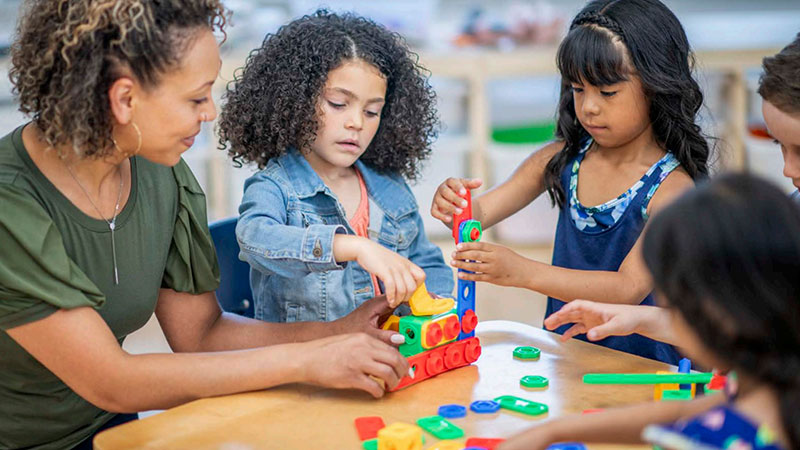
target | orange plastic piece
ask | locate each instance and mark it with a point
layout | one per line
(441, 359)
(400, 436)
(422, 304)
(469, 321)
(368, 427)
(392, 323)
(658, 390)
(447, 445)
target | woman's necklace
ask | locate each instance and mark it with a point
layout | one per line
(112, 224)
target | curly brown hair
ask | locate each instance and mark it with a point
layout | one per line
(780, 82)
(271, 105)
(67, 53)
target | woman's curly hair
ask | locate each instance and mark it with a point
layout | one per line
(271, 105)
(67, 53)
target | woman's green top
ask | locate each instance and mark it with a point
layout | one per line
(53, 256)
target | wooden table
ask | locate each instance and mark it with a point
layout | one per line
(302, 416)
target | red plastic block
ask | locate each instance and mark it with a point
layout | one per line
(466, 214)
(487, 443)
(469, 321)
(368, 427)
(592, 411)
(441, 359)
(717, 382)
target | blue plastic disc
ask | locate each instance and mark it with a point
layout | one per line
(567, 446)
(484, 406)
(452, 411)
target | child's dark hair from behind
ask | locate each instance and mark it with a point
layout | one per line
(735, 277)
(272, 104)
(611, 41)
(780, 82)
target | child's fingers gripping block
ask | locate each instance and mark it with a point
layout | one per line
(422, 304)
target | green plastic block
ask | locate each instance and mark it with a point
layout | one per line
(676, 394)
(521, 405)
(471, 231)
(370, 444)
(440, 427)
(527, 353)
(534, 381)
(646, 378)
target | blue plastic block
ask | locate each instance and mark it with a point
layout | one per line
(466, 300)
(452, 411)
(484, 406)
(567, 446)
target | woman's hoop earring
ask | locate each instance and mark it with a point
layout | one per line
(138, 147)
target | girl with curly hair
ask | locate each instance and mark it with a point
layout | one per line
(335, 111)
(729, 289)
(103, 224)
(627, 144)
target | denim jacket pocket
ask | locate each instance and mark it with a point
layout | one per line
(407, 232)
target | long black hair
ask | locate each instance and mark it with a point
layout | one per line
(736, 278)
(605, 39)
(271, 104)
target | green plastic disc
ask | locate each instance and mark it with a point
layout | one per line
(534, 381)
(527, 353)
(521, 405)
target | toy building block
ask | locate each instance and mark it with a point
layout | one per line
(466, 308)
(685, 366)
(440, 427)
(645, 378)
(521, 405)
(422, 304)
(716, 384)
(527, 353)
(427, 332)
(370, 444)
(484, 406)
(400, 436)
(447, 445)
(534, 382)
(368, 427)
(677, 394)
(466, 214)
(392, 323)
(447, 357)
(487, 443)
(658, 389)
(452, 411)
(592, 411)
(567, 446)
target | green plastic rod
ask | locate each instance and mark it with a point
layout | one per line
(646, 378)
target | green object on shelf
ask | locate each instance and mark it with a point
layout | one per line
(676, 394)
(527, 134)
(370, 444)
(440, 427)
(521, 405)
(646, 378)
(527, 353)
(534, 381)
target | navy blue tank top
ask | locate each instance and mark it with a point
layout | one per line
(600, 237)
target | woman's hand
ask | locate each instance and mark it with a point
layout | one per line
(355, 361)
(490, 262)
(367, 318)
(447, 200)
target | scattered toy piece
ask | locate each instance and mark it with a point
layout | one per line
(440, 427)
(486, 443)
(368, 427)
(527, 353)
(521, 405)
(452, 411)
(484, 406)
(534, 382)
(400, 436)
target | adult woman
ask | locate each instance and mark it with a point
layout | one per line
(103, 224)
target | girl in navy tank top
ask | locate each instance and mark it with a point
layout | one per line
(627, 144)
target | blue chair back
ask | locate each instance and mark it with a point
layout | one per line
(234, 294)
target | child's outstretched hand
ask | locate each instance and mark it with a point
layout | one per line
(600, 320)
(490, 262)
(447, 202)
(400, 276)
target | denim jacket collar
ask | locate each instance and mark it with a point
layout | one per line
(391, 195)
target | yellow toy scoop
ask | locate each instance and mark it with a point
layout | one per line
(422, 304)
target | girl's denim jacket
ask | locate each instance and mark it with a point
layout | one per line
(287, 221)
